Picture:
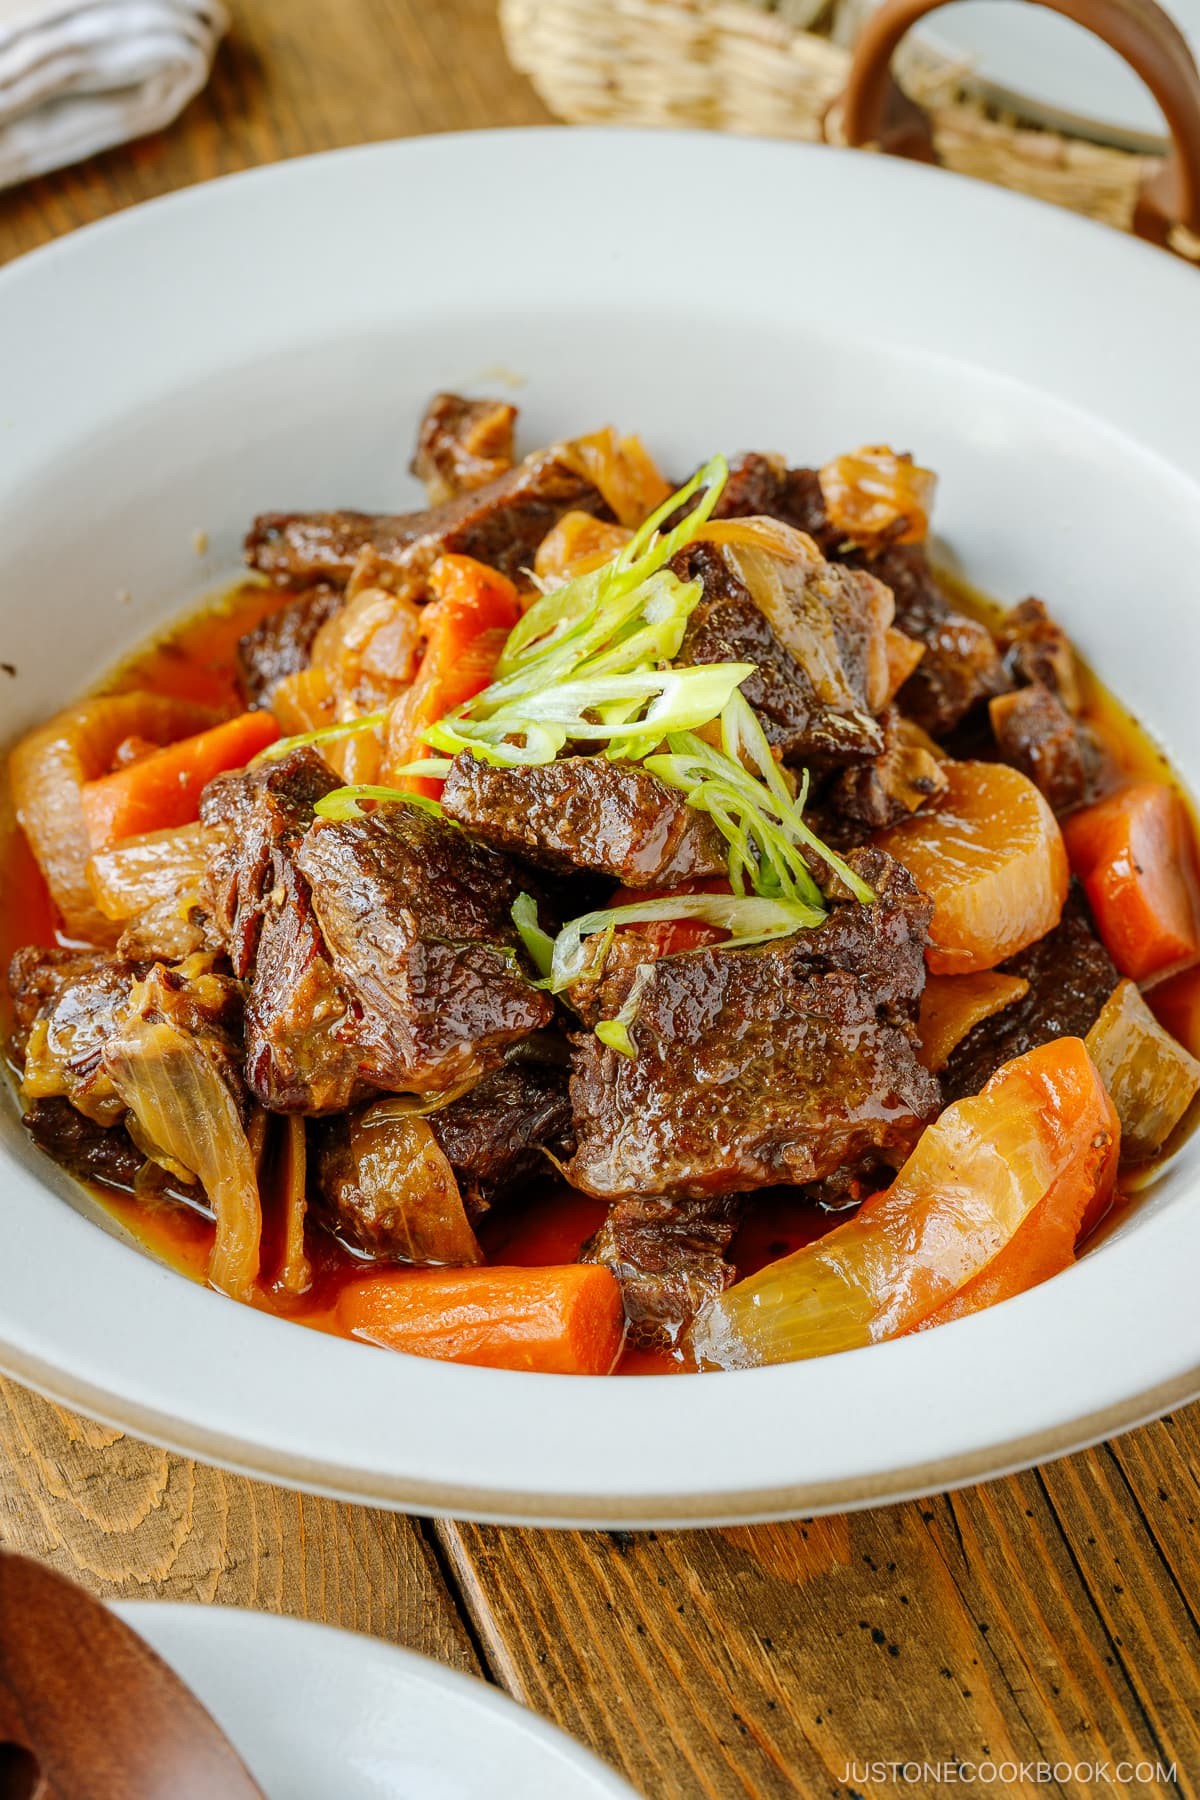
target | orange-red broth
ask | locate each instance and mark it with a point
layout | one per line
(196, 661)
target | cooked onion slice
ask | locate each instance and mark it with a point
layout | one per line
(1152, 1078)
(49, 768)
(185, 1118)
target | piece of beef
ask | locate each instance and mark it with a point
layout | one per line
(763, 486)
(669, 1257)
(281, 644)
(302, 1028)
(65, 1003)
(728, 625)
(501, 524)
(418, 922)
(494, 1135)
(1036, 734)
(1036, 650)
(584, 812)
(777, 1063)
(462, 445)
(961, 666)
(1070, 976)
(906, 777)
(84, 1149)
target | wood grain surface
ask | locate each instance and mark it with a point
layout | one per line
(1051, 1618)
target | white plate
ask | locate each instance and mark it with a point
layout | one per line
(316, 1713)
(268, 341)
(1053, 71)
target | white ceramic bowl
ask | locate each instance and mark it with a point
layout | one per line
(268, 341)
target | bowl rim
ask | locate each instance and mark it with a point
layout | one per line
(197, 1401)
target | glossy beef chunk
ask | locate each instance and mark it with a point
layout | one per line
(669, 1257)
(302, 1051)
(84, 1149)
(462, 445)
(281, 644)
(586, 813)
(774, 1064)
(501, 524)
(1037, 651)
(1036, 734)
(764, 486)
(896, 784)
(961, 666)
(418, 923)
(729, 626)
(494, 1136)
(1070, 976)
(65, 1003)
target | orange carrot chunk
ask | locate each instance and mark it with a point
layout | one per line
(1134, 853)
(466, 624)
(990, 856)
(557, 1321)
(1043, 1128)
(163, 789)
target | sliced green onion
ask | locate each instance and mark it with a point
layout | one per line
(326, 734)
(537, 729)
(750, 920)
(573, 606)
(539, 945)
(615, 1033)
(345, 802)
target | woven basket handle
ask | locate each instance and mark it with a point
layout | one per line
(873, 109)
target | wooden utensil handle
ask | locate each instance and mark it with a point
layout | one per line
(873, 110)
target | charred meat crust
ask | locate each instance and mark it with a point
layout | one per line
(777, 1063)
(586, 813)
(501, 524)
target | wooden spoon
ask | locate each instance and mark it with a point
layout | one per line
(89, 1712)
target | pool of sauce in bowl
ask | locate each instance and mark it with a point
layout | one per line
(195, 661)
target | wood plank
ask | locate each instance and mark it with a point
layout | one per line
(1034, 1620)
(295, 76)
(127, 1519)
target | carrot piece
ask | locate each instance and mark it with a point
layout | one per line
(163, 790)
(952, 1005)
(558, 1321)
(1045, 1244)
(990, 856)
(466, 624)
(1135, 854)
(1175, 1003)
(667, 937)
(1042, 1127)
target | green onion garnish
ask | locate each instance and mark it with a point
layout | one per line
(325, 734)
(345, 802)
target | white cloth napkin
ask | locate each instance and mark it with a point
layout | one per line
(79, 75)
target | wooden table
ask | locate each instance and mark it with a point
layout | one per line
(1051, 1618)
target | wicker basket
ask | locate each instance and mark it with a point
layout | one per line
(739, 65)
